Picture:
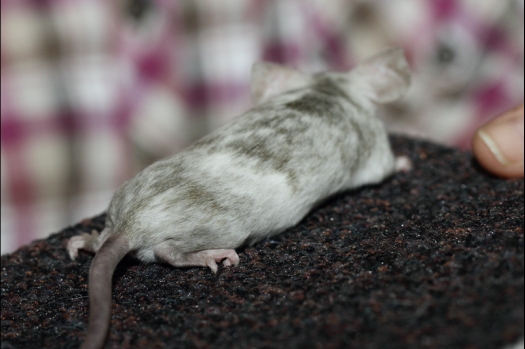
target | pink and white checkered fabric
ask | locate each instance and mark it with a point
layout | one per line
(93, 90)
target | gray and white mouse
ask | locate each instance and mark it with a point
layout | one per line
(308, 137)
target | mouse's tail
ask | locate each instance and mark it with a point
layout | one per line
(100, 285)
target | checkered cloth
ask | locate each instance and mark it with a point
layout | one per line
(92, 91)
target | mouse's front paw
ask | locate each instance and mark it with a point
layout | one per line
(83, 241)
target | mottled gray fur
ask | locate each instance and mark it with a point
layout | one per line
(307, 138)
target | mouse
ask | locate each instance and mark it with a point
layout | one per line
(308, 137)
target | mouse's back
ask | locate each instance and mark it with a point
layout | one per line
(307, 138)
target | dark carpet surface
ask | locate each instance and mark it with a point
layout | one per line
(428, 259)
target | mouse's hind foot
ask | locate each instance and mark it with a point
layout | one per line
(228, 258)
(89, 242)
(207, 258)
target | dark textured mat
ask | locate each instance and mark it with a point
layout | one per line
(428, 259)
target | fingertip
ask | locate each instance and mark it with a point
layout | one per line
(498, 145)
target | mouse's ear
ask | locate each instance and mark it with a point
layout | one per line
(385, 76)
(270, 79)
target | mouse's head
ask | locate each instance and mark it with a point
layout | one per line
(382, 78)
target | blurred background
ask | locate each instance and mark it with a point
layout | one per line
(92, 91)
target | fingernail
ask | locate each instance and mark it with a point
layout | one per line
(505, 140)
